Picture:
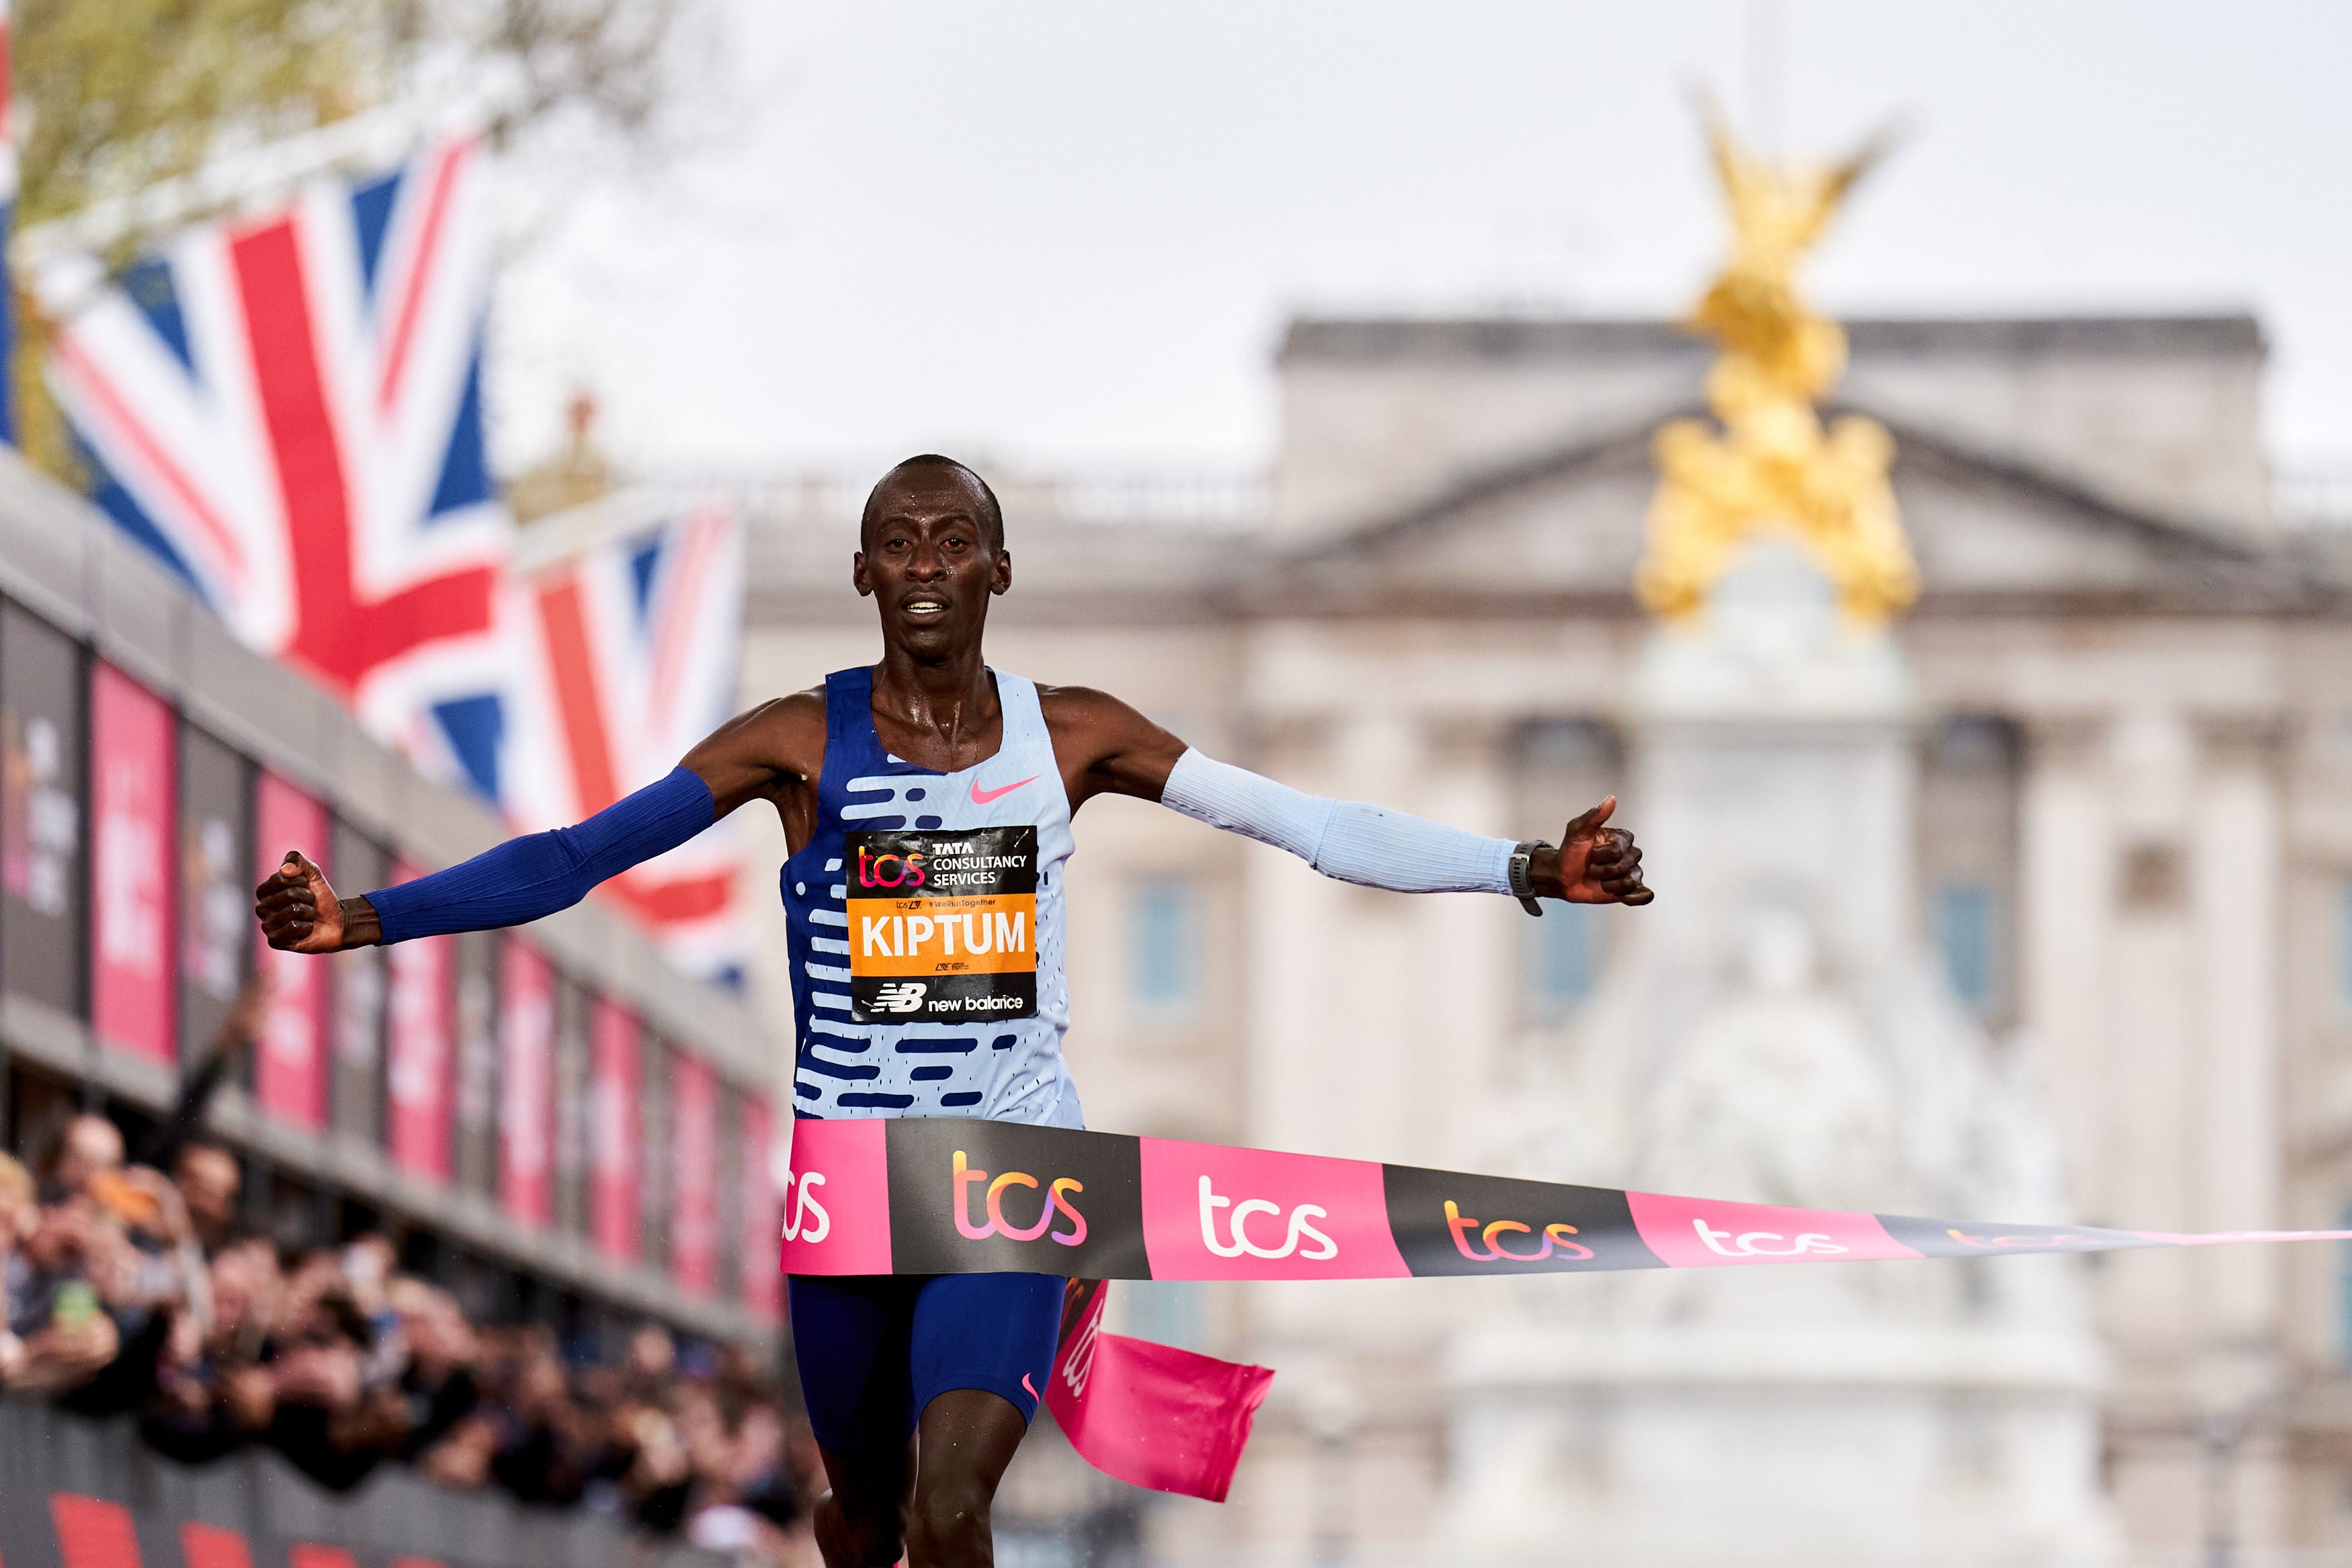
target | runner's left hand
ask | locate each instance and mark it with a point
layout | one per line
(1594, 864)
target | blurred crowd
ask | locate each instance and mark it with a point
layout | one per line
(131, 1290)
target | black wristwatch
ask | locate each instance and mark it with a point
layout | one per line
(1522, 874)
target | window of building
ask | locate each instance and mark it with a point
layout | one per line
(1964, 934)
(1563, 959)
(1972, 787)
(2344, 1289)
(1164, 948)
(2344, 946)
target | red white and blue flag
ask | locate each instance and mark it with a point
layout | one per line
(286, 408)
(624, 654)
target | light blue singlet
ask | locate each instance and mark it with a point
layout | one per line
(908, 946)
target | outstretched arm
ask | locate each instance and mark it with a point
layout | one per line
(770, 753)
(519, 881)
(1107, 748)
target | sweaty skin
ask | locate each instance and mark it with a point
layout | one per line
(930, 562)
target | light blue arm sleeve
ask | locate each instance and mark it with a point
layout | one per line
(1369, 845)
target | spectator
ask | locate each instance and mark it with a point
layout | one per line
(149, 1274)
(214, 1394)
(330, 1422)
(19, 1213)
(550, 1448)
(209, 1182)
(56, 1309)
(91, 1145)
(129, 1291)
(204, 1077)
(436, 1381)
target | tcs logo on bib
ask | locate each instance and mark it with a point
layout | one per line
(943, 925)
(889, 870)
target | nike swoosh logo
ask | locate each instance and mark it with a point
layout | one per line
(1025, 1376)
(980, 796)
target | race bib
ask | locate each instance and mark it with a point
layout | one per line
(942, 925)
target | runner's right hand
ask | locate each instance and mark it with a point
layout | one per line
(298, 909)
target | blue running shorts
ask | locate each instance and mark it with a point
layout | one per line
(875, 1349)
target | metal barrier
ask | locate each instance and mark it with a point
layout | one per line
(76, 1493)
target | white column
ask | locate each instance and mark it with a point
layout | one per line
(2063, 904)
(2235, 865)
(2235, 892)
(1470, 944)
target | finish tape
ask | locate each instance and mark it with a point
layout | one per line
(952, 1197)
(955, 1196)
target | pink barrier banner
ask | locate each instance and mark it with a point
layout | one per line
(762, 1290)
(419, 1068)
(134, 808)
(615, 1074)
(526, 1084)
(694, 1176)
(289, 1069)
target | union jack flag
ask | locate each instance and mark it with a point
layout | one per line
(286, 408)
(623, 655)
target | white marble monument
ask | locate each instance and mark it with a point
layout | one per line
(1775, 1031)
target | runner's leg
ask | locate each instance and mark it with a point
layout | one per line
(982, 1347)
(966, 1439)
(861, 1520)
(850, 1338)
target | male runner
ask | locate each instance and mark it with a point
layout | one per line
(931, 776)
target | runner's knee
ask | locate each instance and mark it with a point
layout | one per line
(949, 1524)
(874, 1537)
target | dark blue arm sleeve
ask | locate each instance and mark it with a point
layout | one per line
(540, 873)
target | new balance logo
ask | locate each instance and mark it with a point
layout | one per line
(899, 997)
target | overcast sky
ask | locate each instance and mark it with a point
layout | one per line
(1067, 233)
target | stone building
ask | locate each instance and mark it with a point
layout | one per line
(2130, 851)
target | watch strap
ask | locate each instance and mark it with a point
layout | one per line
(1522, 873)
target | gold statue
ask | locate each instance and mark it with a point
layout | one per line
(1774, 468)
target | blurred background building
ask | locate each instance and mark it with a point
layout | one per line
(2131, 828)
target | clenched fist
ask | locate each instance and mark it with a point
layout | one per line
(1594, 863)
(300, 912)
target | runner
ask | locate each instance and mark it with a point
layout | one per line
(927, 802)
